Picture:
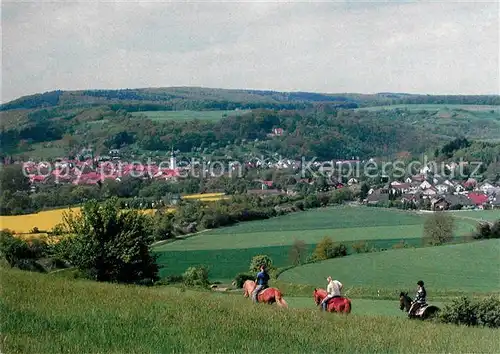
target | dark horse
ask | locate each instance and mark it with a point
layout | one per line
(424, 312)
(337, 304)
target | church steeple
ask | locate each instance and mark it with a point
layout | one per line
(173, 163)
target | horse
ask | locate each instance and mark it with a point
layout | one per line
(424, 312)
(267, 296)
(337, 304)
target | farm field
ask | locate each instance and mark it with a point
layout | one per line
(189, 115)
(469, 267)
(46, 220)
(487, 215)
(229, 250)
(96, 317)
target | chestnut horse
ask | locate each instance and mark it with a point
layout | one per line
(337, 304)
(268, 296)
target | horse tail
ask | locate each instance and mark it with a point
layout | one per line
(279, 299)
(348, 306)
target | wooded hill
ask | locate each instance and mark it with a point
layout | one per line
(59, 123)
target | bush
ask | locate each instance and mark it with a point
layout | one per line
(360, 247)
(483, 231)
(439, 228)
(170, 279)
(299, 205)
(327, 249)
(324, 249)
(242, 278)
(486, 231)
(257, 261)
(109, 244)
(297, 252)
(58, 230)
(196, 276)
(14, 249)
(163, 227)
(400, 244)
(462, 311)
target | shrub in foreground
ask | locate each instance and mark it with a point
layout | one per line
(111, 245)
(463, 311)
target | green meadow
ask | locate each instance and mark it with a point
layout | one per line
(480, 215)
(44, 314)
(189, 115)
(468, 267)
(227, 251)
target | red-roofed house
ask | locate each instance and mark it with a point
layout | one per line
(478, 198)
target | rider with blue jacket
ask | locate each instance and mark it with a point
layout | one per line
(261, 281)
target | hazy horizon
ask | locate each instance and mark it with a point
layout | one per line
(445, 48)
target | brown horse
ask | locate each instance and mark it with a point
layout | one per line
(267, 296)
(337, 304)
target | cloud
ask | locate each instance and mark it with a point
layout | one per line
(435, 48)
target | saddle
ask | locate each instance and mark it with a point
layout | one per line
(420, 311)
(333, 298)
(261, 291)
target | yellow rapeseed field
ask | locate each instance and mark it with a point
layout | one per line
(203, 196)
(44, 220)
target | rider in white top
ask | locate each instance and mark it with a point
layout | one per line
(333, 289)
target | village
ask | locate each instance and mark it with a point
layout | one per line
(424, 190)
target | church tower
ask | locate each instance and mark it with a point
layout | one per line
(173, 164)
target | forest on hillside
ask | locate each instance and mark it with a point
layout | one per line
(317, 125)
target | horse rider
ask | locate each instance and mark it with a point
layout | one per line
(419, 298)
(333, 289)
(261, 282)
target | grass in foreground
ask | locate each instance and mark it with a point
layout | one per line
(42, 314)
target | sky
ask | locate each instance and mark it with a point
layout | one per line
(439, 47)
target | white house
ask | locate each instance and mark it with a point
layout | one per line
(449, 183)
(442, 188)
(486, 187)
(402, 187)
(425, 185)
(459, 188)
(430, 192)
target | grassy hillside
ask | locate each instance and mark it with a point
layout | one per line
(43, 314)
(229, 250)
(471, 267)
